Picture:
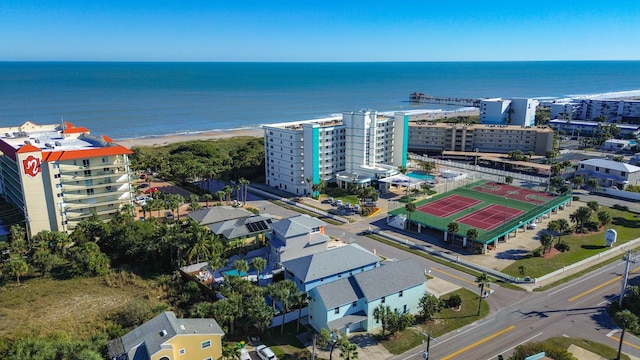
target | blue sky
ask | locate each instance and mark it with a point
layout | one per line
(245, 30)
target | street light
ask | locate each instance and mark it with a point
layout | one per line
(425, 353)
(334, 340)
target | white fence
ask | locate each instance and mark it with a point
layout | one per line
(289, 317)
(476, 168)
(621, 194)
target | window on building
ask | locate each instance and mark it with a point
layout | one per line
(623, 173)
(86, 163)
(89, 191)
(87, 173)
(182, 351)
(205, 344)
(336, 310)
(56, 176)
(400, 293)
(382, 300)
(105, 159)
(597, 168)
(606, 171)
(354, 303)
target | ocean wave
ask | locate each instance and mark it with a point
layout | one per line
(607, 95)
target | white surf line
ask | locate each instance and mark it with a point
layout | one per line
(514, 346)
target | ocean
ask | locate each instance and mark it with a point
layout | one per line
(131, 100)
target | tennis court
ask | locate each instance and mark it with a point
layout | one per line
(448, 206)
(490, 217)
(491, 208)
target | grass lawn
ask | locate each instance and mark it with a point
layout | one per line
(626, 224)
(445, 321)
(46, 306)
(286, 345)
(603, 350)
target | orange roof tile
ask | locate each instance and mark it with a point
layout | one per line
(85, 154)
(107, 139)
(27, 148)
(75, 130)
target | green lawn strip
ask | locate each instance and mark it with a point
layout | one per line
(603, 350)
(444, 322)
(310, 213)
(286, 345)
(441, 261)
(583, 246)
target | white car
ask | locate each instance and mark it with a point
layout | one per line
(265, 353)
(244, 354)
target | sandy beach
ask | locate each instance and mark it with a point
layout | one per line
(220, 134)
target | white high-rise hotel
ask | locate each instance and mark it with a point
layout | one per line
(358, 147)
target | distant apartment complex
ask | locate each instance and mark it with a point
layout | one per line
(431, 136)
(61, 174)
(623, 111)
(357, 148)
(516, 111)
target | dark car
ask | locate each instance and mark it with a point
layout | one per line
(142, 186)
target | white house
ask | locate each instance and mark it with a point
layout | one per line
(609, 173)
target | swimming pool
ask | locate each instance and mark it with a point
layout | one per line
(234, 272)
(420, 175)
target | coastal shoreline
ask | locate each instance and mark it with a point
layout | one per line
(163, 140)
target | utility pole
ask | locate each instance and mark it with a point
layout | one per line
(625, 278)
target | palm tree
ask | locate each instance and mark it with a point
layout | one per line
(230, 352)
(381, 314)
(242, 266)
(604, 217)
(245, 185)
(207, 197)
(581, 216)
(627, 321)
(482, 280)
(546, 240)
(411, 208)
(553, 227)
(259, 264)
(228, 190)
(577, 181)
(220, 196)
(593, 183)
(563, 227)
(300, 300)
(472, 234)
(453, 228)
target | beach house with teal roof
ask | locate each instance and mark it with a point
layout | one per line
(347, 304)
(329, 265)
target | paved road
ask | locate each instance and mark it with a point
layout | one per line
(577, 309)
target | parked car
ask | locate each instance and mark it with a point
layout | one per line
(356, 208)
(169, 215)
(330, 200)
(265, 353)
(338, 202)
(244, 354)
(142, 186)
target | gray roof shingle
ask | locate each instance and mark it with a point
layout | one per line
(330, 262)
(218, 214)
(146, 339)
(338, 293)
(296, 225)
(389, 278)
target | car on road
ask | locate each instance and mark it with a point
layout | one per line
(169, 215)
(142, 186)
(265, 353)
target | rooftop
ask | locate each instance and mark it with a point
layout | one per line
(613, 165)
(57, 142)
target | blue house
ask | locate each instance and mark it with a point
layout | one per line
(329, 265)
(347, 304)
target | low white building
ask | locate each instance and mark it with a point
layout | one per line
(516, 111)
(609, 173)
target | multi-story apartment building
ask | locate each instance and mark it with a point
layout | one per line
(516, 111)
(431, 136)
(624, 111)
(356, 148)
(61, 174)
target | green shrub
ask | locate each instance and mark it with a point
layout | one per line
(536, 253)
(563, 246)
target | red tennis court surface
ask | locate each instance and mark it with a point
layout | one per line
(490, 217)
(514, 192)
(448, 206)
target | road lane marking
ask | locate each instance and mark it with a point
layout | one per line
(516, 345)
(479, 342)
(624, 342)
(453, 276)
(617, 278)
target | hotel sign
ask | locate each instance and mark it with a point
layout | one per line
(31, 166)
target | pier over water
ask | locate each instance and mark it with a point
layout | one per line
(423, 98)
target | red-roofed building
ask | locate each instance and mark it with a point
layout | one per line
(61, 174)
